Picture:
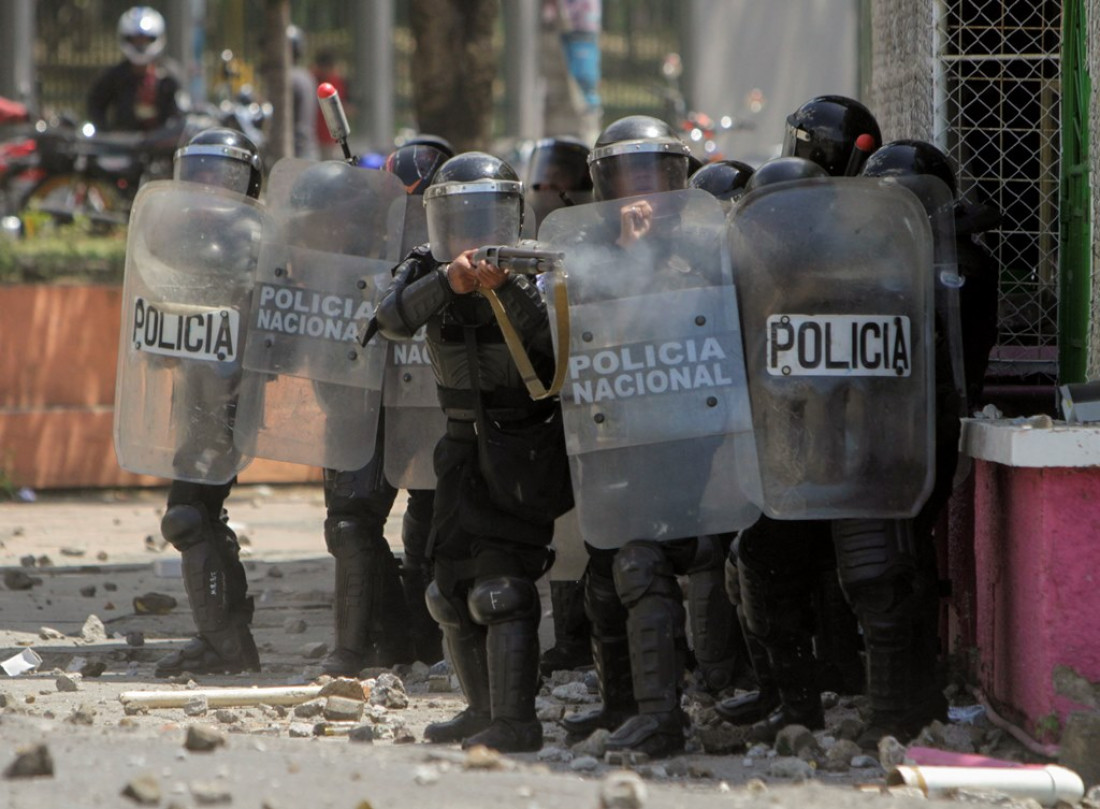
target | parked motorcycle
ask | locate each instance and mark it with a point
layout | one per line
(66, 170)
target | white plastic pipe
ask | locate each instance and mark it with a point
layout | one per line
(1048, 785)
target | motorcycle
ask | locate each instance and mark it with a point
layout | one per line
(67, 170)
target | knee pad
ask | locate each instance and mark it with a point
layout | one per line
(503, 598)
(641, 569)
(184, 526)
(346, 537)
(446, 612)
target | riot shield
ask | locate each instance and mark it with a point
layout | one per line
(835, 278)
(190, 258)
(414, 421)
(655, 406)
(335, 236)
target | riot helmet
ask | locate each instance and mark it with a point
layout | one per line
(636, 155)
(782, 170)
(415, 165)
(557, 175)
(439, 142)
(141, 34)
(908, 158)
(221, 157)
(723, 179)
(836, 132)
(475, 200)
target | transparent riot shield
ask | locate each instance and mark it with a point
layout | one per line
(190, 258)
(835, 278)
(414, 421)
(655, 405)
(335, 236)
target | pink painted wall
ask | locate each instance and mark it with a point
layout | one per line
(1037, 603)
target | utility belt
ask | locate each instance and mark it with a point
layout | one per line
(501, 405)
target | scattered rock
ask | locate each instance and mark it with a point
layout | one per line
(793, 739)
(584, 764)
(622, 789)
(31, 762)
(154, 604)
(342, 709)
(110, 586)
(551, 753)
(18, 580)
(135, 637)
(274, 572)
(829, 699)
(723, 738)
(83, 715)
(28, 560)
(839, 756)
(197, 705)
(71, 551)
(68, 682)
(790, 767)
(547, 710)
(864, 762)
(362, 733)
(93, 668)
(891, 752)
(574, 693)
(388, 690)
(849, 728)
(209, 793)
(203, 738)
(93, 630)
(315, 650)
(227, 717)
(49, 633)
(143, 790)
(595, 745)
(295, 626)
(89, 591)
(300, 730)
(480, 757)
(309, 710)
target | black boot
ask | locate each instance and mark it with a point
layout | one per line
(837, 644)
(465, 642)
(611, 655)
(792, 665)
(755, 705)
(902, 679)
(371, 620)
(513, 651)
(214, 580)
(720, 654)
(572, 647)
(655, 628)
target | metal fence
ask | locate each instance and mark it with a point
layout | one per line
(980, 78)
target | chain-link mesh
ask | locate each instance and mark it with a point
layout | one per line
(980, 78)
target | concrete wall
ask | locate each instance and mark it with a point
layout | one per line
(58, 350)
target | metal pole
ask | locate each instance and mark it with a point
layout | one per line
(371, 83)
(17, 33)
(521, 26)
(178, 20)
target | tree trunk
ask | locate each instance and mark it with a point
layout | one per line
(276, 61)
(453, 69)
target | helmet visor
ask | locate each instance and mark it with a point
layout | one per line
(632, 174)
(462, 216)
(212, 167)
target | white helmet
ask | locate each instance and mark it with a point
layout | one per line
(141, 34)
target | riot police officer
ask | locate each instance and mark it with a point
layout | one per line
(781, 575)
(725, 180)
(380, 615)
(557, 176)
(888, 567)
(486, 556)
(632, 596)
(195, 522)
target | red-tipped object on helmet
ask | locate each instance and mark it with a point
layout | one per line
(325, 90)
